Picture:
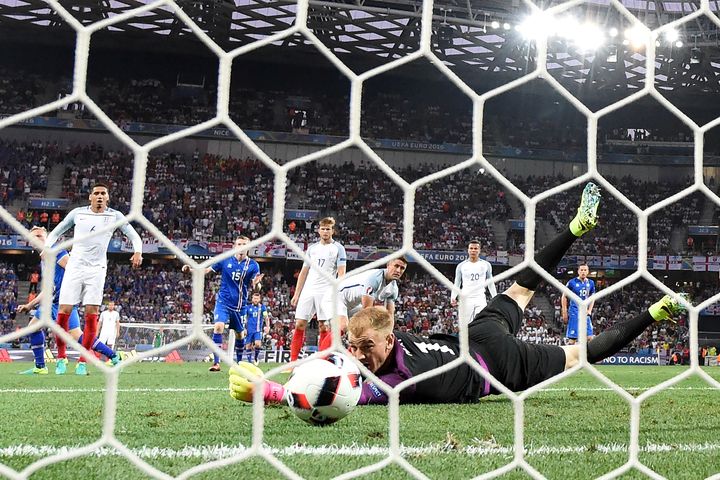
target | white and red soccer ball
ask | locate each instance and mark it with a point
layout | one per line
(325, 389)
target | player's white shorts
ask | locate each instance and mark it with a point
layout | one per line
(469, 308)
(310, 304)
(82, 284)
(107, 338)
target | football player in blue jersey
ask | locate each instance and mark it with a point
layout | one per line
(37, 338)
(257, 321)
(239, 275)
(583, 287)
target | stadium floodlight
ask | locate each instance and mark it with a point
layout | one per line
(679, 44)
(613, 32)
(589, 38)
(636, 36)
(506, 26)
(495, 24)
(537, 26)
(672, 35)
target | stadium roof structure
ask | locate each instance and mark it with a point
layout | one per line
(482, 36)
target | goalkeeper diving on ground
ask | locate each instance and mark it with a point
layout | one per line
(395, 356)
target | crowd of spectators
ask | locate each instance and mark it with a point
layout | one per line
(616, 232)
(437, 113)
(149, 100)
(199, 197)
(18, 90)
(8, 298)
(24, 168)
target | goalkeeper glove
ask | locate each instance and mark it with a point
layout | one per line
(242, 376)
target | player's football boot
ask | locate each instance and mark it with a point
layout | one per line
(115, 359)
(81, 369)
(586, 218)
(214, 368)
(667, 307)
(61, 366)
(35, 371)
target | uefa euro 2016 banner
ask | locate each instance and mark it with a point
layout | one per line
(631, 359)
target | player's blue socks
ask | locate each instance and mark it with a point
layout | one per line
(239, 348)
(217, 339)
(37, 345)
(103, 349)
(257, 354)
(99, 347)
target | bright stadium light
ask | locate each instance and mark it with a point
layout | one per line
(567, 27)
(495, 24)
(613, 32)
(536, 26)
(506, 26)
(590, 37)
(672, 35)
(636, 36)
(679, 44)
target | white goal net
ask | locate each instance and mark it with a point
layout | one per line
(394, 453)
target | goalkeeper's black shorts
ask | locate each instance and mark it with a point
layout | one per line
(516, 364)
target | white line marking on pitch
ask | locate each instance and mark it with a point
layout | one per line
(222, 389)
(211, 452)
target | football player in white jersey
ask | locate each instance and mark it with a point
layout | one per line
(85, 272)
(363, 291)
(109, 326)
(329, 256)
(472, 277)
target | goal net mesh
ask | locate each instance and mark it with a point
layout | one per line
(394, 452)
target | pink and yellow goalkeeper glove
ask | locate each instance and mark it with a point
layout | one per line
(242, 376)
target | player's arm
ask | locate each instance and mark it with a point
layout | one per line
(61, 262)
(564, 307)
(458, 284)
(186, 268)
(257, 278)
(367, 301)
(117, 328)
(266, 321)
(341, 262)
(101, 320)
(300, 284)
(31, 304)
(62, 227)
(591, 304)
(134, 237)
(489, 283)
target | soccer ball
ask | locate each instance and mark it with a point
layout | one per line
(325, 389)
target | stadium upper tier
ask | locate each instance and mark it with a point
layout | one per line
(435, 113)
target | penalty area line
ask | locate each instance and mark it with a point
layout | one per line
(214, 452)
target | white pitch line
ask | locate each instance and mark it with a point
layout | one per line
(213, 452)
(98, 390)
(222, 389)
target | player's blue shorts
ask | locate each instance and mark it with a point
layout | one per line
(74, 316)
(228, 316)
(572, 328)
(253, 337)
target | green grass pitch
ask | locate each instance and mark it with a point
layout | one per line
(178, 416)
